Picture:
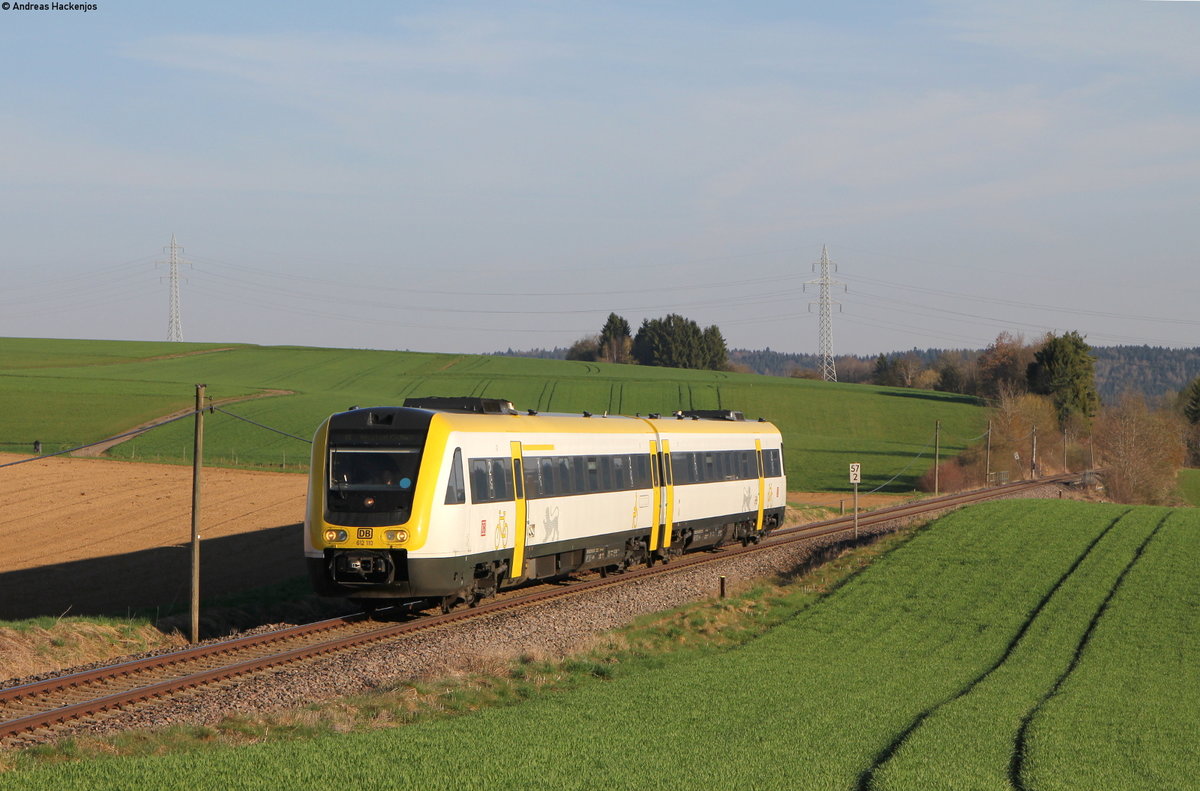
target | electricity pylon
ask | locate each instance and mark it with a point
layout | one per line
(825, 303)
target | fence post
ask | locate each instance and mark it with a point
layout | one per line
(197, 465)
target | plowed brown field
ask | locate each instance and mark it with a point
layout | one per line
(96, 536)
(104, 537)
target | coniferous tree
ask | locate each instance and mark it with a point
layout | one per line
(1191, 406)
(673, 342)
(615, 342)
(1064, 369)
(714, 348)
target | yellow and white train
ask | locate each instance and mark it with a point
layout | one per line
(451, 498)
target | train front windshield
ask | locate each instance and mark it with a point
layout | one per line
(371, 486)
(360, 469)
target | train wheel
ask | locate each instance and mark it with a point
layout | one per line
(369, 606)
(448, 603)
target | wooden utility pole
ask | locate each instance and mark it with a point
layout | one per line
(197, 466)
(937, 457)
(987, 464)
(1033, 456)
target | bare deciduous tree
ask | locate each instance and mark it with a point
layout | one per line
(1141, 451)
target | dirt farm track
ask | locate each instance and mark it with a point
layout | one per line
(92, 536)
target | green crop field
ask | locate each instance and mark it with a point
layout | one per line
(1012, 645)
(66, 393)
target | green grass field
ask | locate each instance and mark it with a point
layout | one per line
(65, 393)
(1189, 485)
(1012, 645)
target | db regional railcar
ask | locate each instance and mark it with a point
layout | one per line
(452, 498)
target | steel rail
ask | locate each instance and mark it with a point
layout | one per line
(78, 682)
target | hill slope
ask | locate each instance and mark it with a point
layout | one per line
(66, 393)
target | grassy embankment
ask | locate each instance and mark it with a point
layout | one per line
(1017, 644)
(65, 393)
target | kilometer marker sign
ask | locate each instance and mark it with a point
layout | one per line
(856, 479)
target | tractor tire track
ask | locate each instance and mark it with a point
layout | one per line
(1016, 767)
(866, 779)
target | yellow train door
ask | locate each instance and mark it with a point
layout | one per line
(520, 527)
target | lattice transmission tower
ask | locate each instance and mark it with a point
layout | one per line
(825, 303)
(174, 322)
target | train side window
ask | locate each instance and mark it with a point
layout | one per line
(500, 478)
(622, 476)
(564, 475)
(480, 491)
(533, 479)
(710, 468)
(456, 488)
(678, 468)
(580, 474)
(546, 468)
(607, 470)
(683, 468)
(592, 474)
(641, 471)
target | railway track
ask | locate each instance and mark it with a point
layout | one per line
(33, 712)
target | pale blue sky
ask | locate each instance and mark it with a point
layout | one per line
(476, 176)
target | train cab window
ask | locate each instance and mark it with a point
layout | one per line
(373, 469)
(773, 463)
(456, 486)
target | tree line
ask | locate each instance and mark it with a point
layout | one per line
(1046, 411)
(1047, 417)
(1150, 370)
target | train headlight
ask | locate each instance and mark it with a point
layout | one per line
(335, 536)
(396, 536)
